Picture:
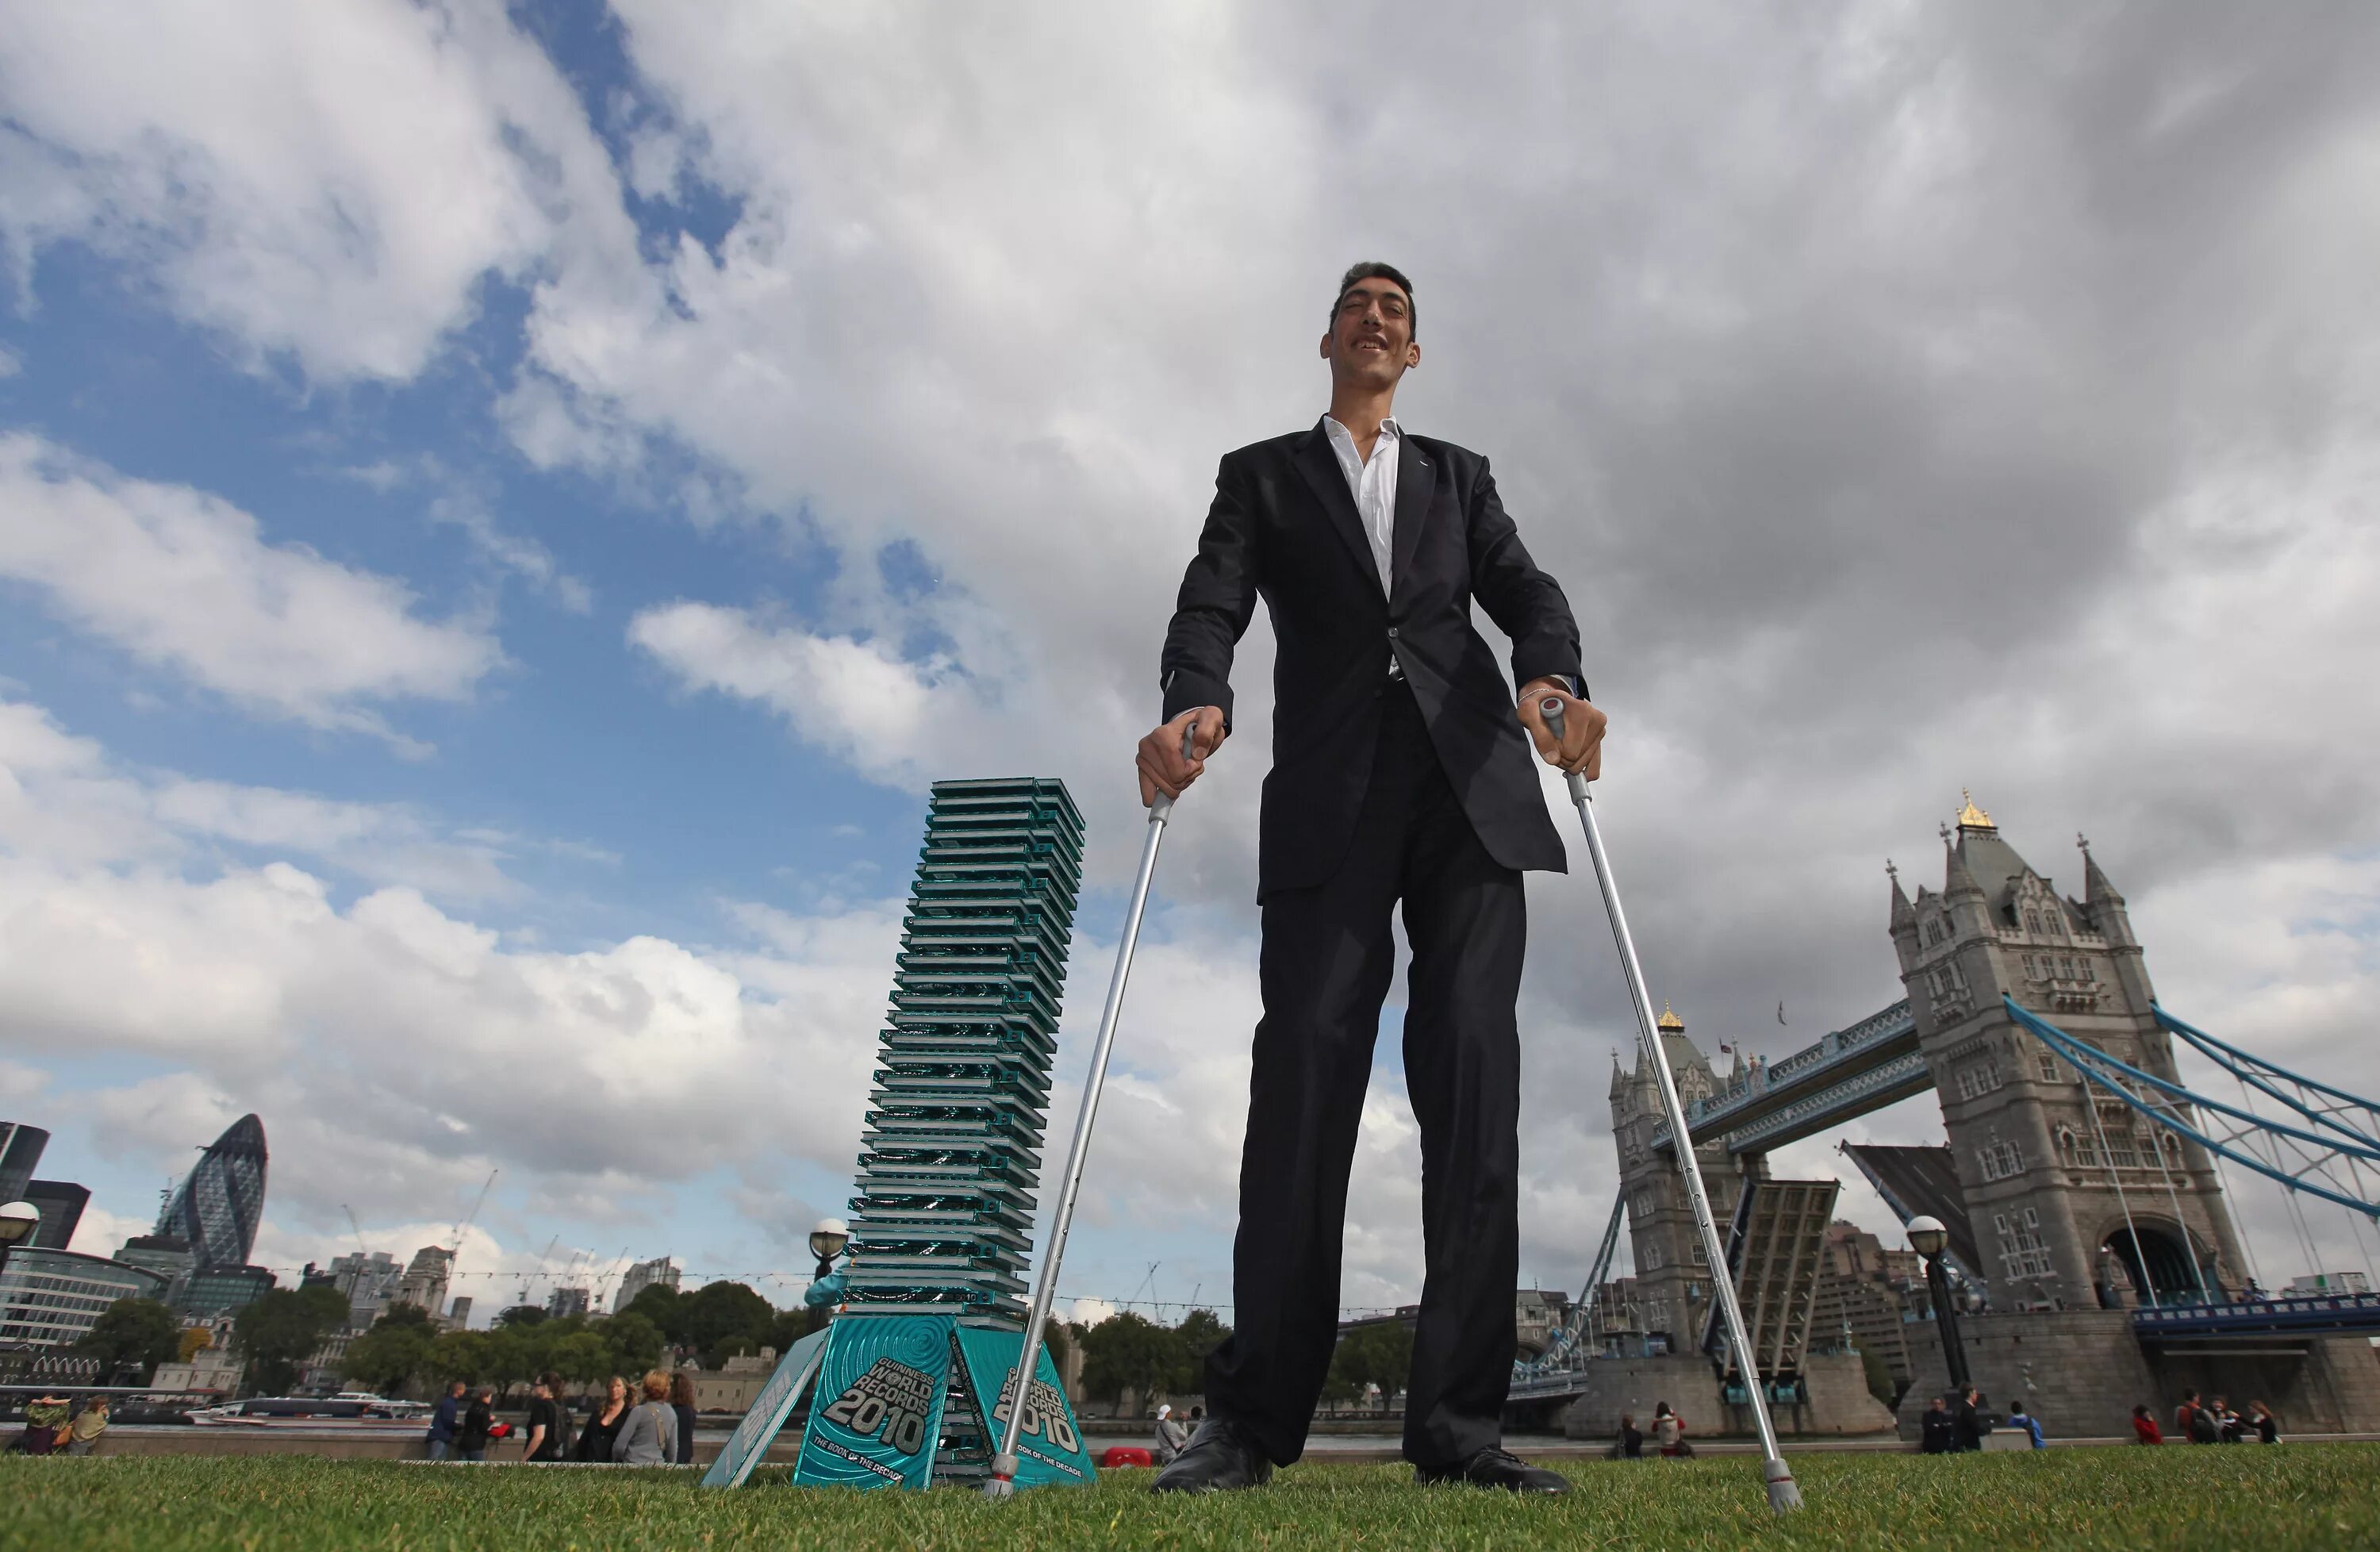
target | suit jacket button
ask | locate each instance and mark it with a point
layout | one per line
(1392, 633)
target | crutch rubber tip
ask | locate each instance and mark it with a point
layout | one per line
(1783, 1494)
(1001, 1484)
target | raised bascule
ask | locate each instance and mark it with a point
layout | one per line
(950, 1153)
(2082, 1186)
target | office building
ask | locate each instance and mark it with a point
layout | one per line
(50, 1298)
(661, 1271)
(219, 1204)
(20, 1154)
(61, 1204)
(209, 1292)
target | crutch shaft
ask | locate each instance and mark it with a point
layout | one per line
(1782, 1492)
(1045, 1284)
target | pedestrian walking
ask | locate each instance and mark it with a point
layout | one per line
(682, 1405)
(1402, 776)
(1933, 1429)
(1172, 1439)
(649, 1435)
(2019, 1418)
(542, 1445)
(445, 1418)
(1669, 1432)
(604, 1418)
(2145, 1427)
(2266, 1425)
(471, 1436)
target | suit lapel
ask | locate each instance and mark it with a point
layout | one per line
(1319, 466)
(1416, 483)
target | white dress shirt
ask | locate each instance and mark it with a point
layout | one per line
(1373, 483)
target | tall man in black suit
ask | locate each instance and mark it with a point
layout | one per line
(1401, 772)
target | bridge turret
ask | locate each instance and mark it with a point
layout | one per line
(2102, 904)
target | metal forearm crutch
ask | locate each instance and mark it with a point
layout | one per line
(1002, 1482)
(1782, 1492)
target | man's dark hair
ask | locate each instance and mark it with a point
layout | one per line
(1374, 270)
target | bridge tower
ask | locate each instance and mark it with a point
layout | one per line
(2072, 1202)
(1672, 1270)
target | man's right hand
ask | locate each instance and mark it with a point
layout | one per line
(1162, 767)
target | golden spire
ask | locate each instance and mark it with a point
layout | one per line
(1669, 1021)
(1973, 817)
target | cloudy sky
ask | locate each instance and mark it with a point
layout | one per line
(504, 512)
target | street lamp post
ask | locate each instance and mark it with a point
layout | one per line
(1928, 1238)
(828, 1241)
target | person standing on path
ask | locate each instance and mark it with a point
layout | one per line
(649, 1435)
(604, 1419)
(1400, 775)
(681, 1407)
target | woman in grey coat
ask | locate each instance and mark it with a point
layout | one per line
(649, 1435)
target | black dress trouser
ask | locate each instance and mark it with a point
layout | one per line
(1326, 964)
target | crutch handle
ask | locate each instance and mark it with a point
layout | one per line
(1163, 806)
(1551, 710)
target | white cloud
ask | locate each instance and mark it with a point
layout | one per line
(186, 581)
(333, 181)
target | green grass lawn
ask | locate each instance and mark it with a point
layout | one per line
(2296, 1496)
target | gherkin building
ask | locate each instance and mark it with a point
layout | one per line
(942, 1217)
(219, 1204)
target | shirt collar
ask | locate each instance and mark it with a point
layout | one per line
(1390, 430)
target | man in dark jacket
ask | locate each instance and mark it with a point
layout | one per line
(1400, 775)
(1933, 1429)
(1967, 1420)
(445, 1418)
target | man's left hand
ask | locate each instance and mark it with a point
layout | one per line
(1580, 749)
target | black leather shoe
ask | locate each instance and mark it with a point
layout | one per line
(1494, 1468)
(1220, 1458)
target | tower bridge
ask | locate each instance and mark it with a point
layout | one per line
(2082, 1181)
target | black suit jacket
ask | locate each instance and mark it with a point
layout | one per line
(1284, 529)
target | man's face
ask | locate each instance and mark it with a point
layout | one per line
(1370, 343)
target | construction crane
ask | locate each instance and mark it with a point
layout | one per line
(605, 1281)
(454, 1238)
(527, 1278)
(362, 1254)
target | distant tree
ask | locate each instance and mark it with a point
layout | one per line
(462, 1355)
(1201, 1332)
(389, 1357)
(1129, 1352)
(282, 1329)
(404, 1315)
(792, 1324)
(135, 1334)
(714, 1316)
(194, 1340)
(634, 1342)
(521, 1315)
(582, 1357)
(658, 1303)
(514, 1355)
(1377, 1354)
